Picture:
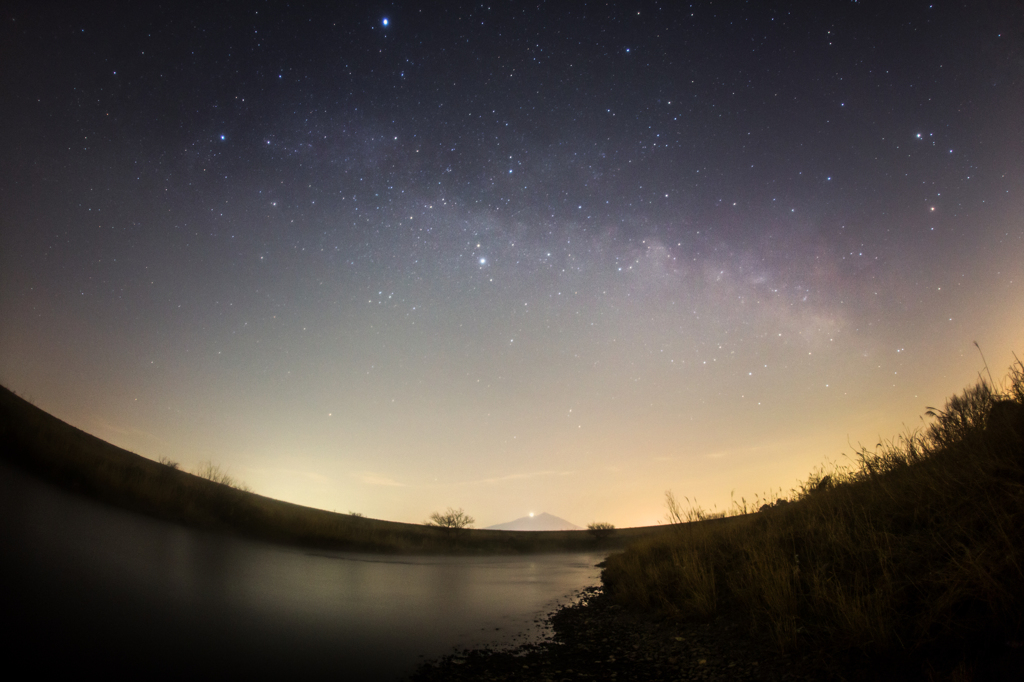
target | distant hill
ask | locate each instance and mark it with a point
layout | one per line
(39, 443)
(543, 521)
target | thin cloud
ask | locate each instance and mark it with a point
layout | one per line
(122, 431)
(375, 479)
(278, 471)
(513, 477)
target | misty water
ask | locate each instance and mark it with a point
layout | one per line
(88, 585)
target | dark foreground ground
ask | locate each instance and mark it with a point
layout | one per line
(594, 639)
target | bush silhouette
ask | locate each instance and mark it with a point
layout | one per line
(601, 530)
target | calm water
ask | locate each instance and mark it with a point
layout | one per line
(87, 585)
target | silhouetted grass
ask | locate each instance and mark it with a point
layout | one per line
(917, 545)
(211, 500)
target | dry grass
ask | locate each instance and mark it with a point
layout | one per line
(919, 543)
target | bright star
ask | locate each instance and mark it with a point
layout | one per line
(385, 22)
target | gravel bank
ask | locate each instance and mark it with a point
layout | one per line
(593, 639)
(596, 640)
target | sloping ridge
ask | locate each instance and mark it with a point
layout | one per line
(543, 521)
(53, 450)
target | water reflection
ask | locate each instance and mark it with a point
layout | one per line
(89, 585)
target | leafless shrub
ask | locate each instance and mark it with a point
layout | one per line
(601, 530)
(212, 472)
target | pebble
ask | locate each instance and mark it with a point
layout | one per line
(594, 639)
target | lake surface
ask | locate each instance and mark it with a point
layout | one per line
(87, 585)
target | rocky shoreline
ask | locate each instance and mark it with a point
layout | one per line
(594, 639)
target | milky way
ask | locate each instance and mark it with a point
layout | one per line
(514, 258)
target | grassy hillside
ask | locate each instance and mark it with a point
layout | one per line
(914, 551)
(38, 442)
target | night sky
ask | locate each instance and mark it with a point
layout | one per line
(515, 257)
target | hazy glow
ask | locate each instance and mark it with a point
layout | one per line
(294, 244)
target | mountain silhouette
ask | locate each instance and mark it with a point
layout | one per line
(543, 521)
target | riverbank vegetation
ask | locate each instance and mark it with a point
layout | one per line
(210, 499)
(914, 551)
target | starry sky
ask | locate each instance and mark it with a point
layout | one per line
(519, 257)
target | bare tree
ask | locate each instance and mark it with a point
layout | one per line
(452, 520)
